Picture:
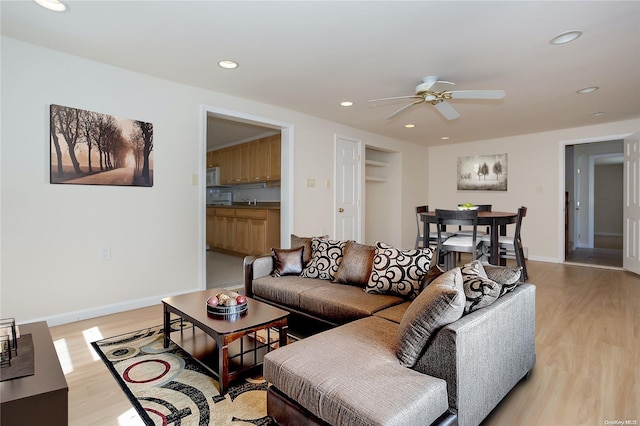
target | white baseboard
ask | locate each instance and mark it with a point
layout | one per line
(99, 311)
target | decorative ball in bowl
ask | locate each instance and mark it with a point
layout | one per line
(467, 206)
(227, 303)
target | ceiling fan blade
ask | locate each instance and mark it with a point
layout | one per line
(447, 110)
(477, 94)
(404, 108)
(395, 97)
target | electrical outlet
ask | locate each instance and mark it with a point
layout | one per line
(104, 253)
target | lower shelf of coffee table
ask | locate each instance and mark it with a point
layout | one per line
(244, 353)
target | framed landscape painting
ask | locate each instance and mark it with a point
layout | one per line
(90, 148)
(483, 173)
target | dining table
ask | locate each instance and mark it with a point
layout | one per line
(497, 221)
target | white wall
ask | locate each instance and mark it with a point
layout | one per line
(536, 180)
(51, 234)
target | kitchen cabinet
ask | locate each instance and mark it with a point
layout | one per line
(274, 157)
(246, 231)
(255, 161)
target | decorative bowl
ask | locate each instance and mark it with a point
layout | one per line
(467, 208)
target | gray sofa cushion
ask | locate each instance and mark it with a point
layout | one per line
(350, 375)
(394, 313)
(441, 303)
(284, 290)
(340, 303)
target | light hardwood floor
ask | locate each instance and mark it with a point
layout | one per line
(587, 342)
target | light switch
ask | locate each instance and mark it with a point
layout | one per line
(311, 182)
(194, 179)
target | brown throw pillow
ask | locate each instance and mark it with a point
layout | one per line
(356, 264)
(305, 242)
(287, 261)
(440, 303)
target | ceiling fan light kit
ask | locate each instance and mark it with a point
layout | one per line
(425, 94)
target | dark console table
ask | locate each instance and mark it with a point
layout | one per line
(40, 399)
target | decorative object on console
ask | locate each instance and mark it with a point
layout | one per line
(15, 363)
(121, 157)
(482, 173)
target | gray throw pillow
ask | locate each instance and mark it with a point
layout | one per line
(398, 271)
(356, 264)
(439, 304)
(287, 261)
(479, 290)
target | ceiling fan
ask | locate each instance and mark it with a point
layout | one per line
(425, 94)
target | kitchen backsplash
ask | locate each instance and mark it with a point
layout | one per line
(244, 193)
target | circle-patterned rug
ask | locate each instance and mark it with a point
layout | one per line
(169, 387)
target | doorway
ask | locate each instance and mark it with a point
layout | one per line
(594, 203)
(223, 270)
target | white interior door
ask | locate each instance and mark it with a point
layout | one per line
(347, 189)
(631, 210)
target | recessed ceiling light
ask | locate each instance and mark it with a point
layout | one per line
(409, 126)
(346, 103)
(445, 138)
(566, 37)
(587, 90)
(228, 64)
(597, 114)
(55, 5)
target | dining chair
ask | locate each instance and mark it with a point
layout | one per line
(457, 243)
(481, 208)
(424, 226)
(467, 231)
(510, 246)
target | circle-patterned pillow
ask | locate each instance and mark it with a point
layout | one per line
(398, 271)
(325, 259)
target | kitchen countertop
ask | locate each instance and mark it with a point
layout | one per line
(262, 206)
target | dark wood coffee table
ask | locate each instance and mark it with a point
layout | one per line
(228, 345)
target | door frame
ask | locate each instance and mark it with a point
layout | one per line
(592, 165)
(286, 181)
(562, 179)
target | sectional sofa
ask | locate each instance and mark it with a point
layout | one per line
(406, 344)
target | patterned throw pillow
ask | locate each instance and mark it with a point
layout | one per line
(479, 290)
(325, 259)
(287, 261)
(398, 271)
(441, 303)
(507, 276)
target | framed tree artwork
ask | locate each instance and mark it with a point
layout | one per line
(483, 173)
(90, 148)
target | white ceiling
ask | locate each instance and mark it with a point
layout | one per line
(309, 56)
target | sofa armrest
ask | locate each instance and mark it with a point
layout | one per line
(483, 355)
(255, 267)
